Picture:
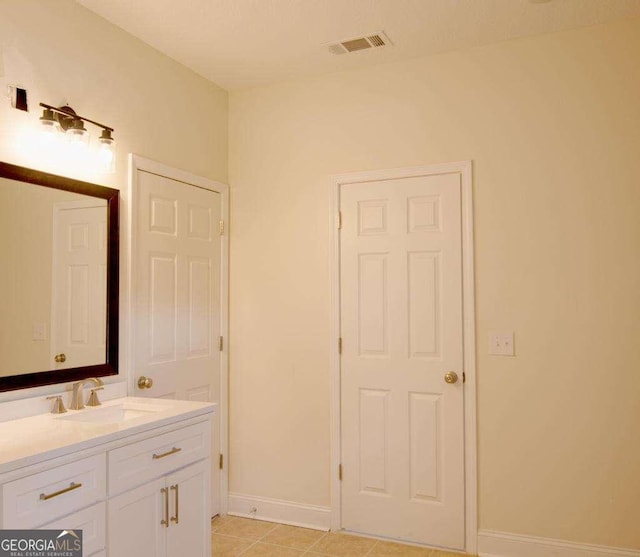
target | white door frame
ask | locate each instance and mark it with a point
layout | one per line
(463, 168)
(137, 163)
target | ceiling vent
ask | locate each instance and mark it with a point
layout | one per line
(375, 40)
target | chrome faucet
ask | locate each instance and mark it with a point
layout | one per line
(76, 400)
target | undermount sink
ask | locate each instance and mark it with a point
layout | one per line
(112, 414)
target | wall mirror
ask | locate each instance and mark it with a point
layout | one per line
(59, 279)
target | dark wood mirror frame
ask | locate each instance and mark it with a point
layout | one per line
(112, 197)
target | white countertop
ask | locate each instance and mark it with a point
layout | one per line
(27, 441)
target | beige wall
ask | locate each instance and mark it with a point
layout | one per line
(552, 125)
(61, 52)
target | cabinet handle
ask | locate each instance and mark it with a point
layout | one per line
(176, 518)
(72, 486)
(165, 492)
(172, 451)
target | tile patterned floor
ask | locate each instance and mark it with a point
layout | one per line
(232, 536)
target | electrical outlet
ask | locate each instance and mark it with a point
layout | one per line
(501, 344)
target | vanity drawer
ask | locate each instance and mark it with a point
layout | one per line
(34, 500)
(91, 521)
(135, 464)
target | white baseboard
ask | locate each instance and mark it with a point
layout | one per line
(276, 510)
(501, 544)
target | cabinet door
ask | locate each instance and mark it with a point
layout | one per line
(91, 521)
(135, 522)
(189, 511)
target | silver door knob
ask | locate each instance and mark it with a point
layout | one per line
(451, 377)
(145, 382)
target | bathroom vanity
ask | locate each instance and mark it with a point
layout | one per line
(133, 474)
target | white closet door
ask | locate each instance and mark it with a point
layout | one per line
(177, 290)
(401, 328)
(79, 284)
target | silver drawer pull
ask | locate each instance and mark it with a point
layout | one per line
(72, 486)
(168, 453)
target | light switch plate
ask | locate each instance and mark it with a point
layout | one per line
(39, 331)
(501, 344)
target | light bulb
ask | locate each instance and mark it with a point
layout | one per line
(49, 126)
(106, 152)
(77, 134)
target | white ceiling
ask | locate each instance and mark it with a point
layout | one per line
(243, 43)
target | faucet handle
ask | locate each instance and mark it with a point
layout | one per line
(93, 397)
(58, 405)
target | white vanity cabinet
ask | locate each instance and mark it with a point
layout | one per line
(92, 522)
(35, 499)
(138, 490)
(67, 497)
(167, 517)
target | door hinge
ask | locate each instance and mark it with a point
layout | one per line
(339, 219)
(340, 345)
(220, 343)
(464, 377)
(221, 227)
(340, 472)
(220, 461)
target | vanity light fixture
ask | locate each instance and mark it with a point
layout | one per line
(64, 119)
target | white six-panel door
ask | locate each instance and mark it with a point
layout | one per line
(79, 298)
(401, 325)
(178, 296)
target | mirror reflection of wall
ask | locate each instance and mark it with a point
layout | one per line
(53, 279)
